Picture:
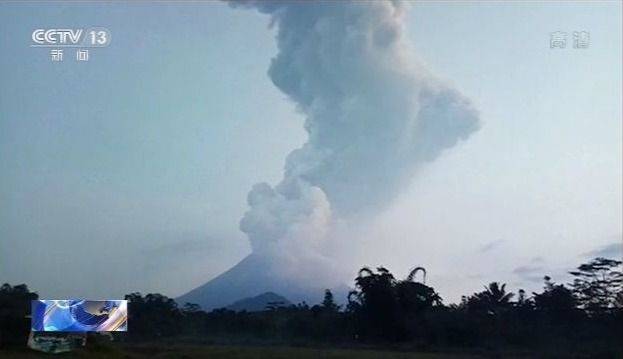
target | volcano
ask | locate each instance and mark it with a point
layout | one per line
(251, 277)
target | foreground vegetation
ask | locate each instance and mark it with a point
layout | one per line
(231, 352)
(581, 319)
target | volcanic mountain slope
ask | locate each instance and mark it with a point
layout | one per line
(260, 303)
(249, 278)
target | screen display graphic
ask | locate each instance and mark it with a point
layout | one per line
(75, 315)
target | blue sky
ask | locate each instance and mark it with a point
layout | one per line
(129, 172)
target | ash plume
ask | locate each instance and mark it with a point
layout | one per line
(373, 114)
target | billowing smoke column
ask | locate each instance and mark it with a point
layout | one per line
(372, 114)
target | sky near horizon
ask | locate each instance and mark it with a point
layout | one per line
(130, 172)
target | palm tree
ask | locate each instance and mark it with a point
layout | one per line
(413, 272)
(496, 294)
(415, 296)
(492, 300)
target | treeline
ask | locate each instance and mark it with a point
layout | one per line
(584, 317)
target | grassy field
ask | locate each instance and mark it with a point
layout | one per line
(230, 352)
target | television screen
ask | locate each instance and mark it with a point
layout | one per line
(79, 315)
(311, 178)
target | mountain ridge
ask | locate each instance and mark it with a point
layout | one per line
(249, 278)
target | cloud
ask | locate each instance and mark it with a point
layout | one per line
(491, 246)
(531, 273)
(612, 251)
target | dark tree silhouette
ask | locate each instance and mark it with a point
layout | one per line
(580, 320)
(556, 300)
(154, 315)
(388, 308)
(414, 272)
(597, 285)
(414, 296)
(328, 303)
(14, 309)
(374, 303)
(493, 300)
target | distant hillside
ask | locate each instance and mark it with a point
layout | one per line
(260, 302)
(252, 277)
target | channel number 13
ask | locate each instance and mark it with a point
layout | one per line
(98, 37)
